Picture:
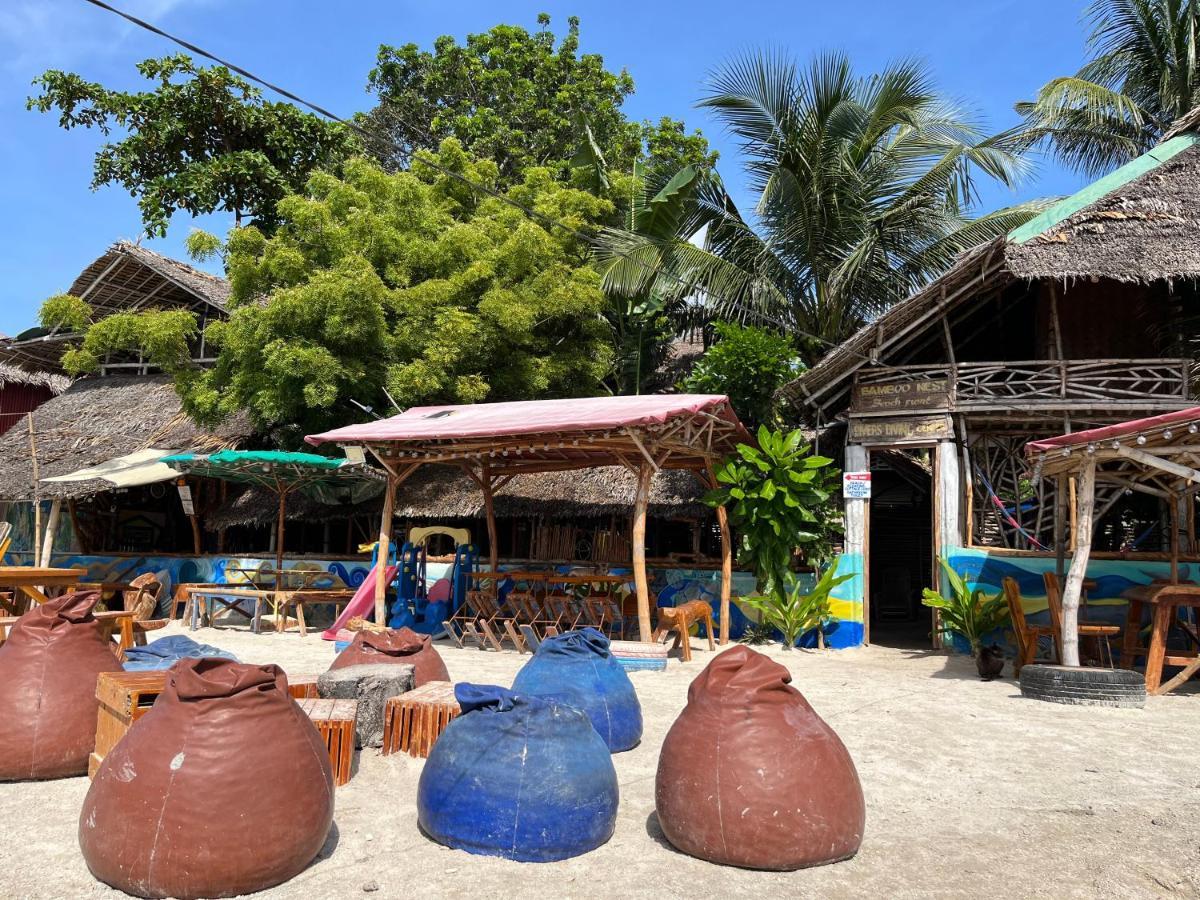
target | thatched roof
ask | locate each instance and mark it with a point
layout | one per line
(125, 277)
(14, 375)
(442, 492)
(1139, 224)
(97, 419)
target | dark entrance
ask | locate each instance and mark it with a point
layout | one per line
(900, 554)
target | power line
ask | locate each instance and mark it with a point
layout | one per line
(586, 238)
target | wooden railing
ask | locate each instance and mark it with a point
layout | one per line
(1095, 383)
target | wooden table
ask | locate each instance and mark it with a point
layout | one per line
(29, 582)
(1165, 599)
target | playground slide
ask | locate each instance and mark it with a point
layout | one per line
(363, 603)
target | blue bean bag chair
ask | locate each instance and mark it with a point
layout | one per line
(166, 651)
(576, 668)
(519, 777)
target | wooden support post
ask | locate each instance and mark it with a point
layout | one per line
(197, 542)
(1083, 544)
(641, 582)
(1060, 527)
(381, 553)
(37, 493)
(51, 528)
(489, 508)
(278, 537)
(726, 561)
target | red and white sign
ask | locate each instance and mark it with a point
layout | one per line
(856, 485)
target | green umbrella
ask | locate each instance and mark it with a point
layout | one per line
(325, 479)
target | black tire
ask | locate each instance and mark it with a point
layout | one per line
(1084, 686)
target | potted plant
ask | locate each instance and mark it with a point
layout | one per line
(973, 615)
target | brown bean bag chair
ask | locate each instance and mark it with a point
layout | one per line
(750, 776)
(224, 787)
(401, 645)
(48, 706)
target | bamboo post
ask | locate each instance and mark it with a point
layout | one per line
(51, 528)
(197, 543)
(485, 483)
(37, 493)
(726, 560)
(278, 537)
(1086, 494)
(641, 502)
(381, 554)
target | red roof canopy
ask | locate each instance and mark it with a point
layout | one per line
(528, 417)
(1114, 432)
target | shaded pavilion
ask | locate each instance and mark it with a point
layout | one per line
(495, 442)
(1158, 455)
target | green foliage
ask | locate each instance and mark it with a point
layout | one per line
(203, 246)
(866, 190)
(65, 312)
(203, 140)
(969, 613)
(162, 336)
(520, 100)
(794, 613)
(408, 282)
(780, 497)
(748, 364)
(1143, 73)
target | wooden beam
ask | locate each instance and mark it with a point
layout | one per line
(1075, 577)
(726, 560)
(490, 511)
(1153, 462)
(641, 582)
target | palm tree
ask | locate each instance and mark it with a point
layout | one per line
(865, 191)
(1143, 74)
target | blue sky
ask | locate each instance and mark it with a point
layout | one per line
(985, 53)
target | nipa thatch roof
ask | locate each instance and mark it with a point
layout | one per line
(440, 492)
(125, 277)
(55, 383)
(1139, 224)
(95, 420)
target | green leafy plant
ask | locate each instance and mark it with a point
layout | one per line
(748, 364)
(970, 613)
(794, 613)
(780, 497)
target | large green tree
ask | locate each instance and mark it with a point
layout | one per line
(1143, 74)
(203, 140)
(520, 99)
(866, 189)
(409, 284)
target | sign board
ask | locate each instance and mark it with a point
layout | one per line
(185, 499)
(900, 429)
(355, 454)
(900, 396)
(856, 485)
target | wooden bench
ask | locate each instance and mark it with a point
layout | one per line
(412, 722)
(127, 696)
(335, 721)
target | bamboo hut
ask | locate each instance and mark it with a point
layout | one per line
(1086, 316)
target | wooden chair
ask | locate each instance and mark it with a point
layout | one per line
(142, 600)
(1027, 635)
(1101, 632)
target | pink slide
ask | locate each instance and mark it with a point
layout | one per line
(363, 603)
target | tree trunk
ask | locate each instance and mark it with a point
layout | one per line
(381, 553)
(1086, 495)
(640, 580)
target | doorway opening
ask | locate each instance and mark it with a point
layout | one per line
(900, 547)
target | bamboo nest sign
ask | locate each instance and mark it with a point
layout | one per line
(901, 396)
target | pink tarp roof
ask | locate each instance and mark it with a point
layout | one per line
(526, 417)
(1114, 432)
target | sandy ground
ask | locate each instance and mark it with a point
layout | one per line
(971, 791)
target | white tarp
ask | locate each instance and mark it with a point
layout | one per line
(131, 470)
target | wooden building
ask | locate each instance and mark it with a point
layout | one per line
(1086, 316)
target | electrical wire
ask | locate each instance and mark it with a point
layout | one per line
(586, 238)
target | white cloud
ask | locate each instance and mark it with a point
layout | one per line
(40, 34)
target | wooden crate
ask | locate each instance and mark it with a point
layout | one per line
(302, 687)
(412, 722)
(335, 721)
(124, 698)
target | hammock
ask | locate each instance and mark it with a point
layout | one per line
(1004, 513)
